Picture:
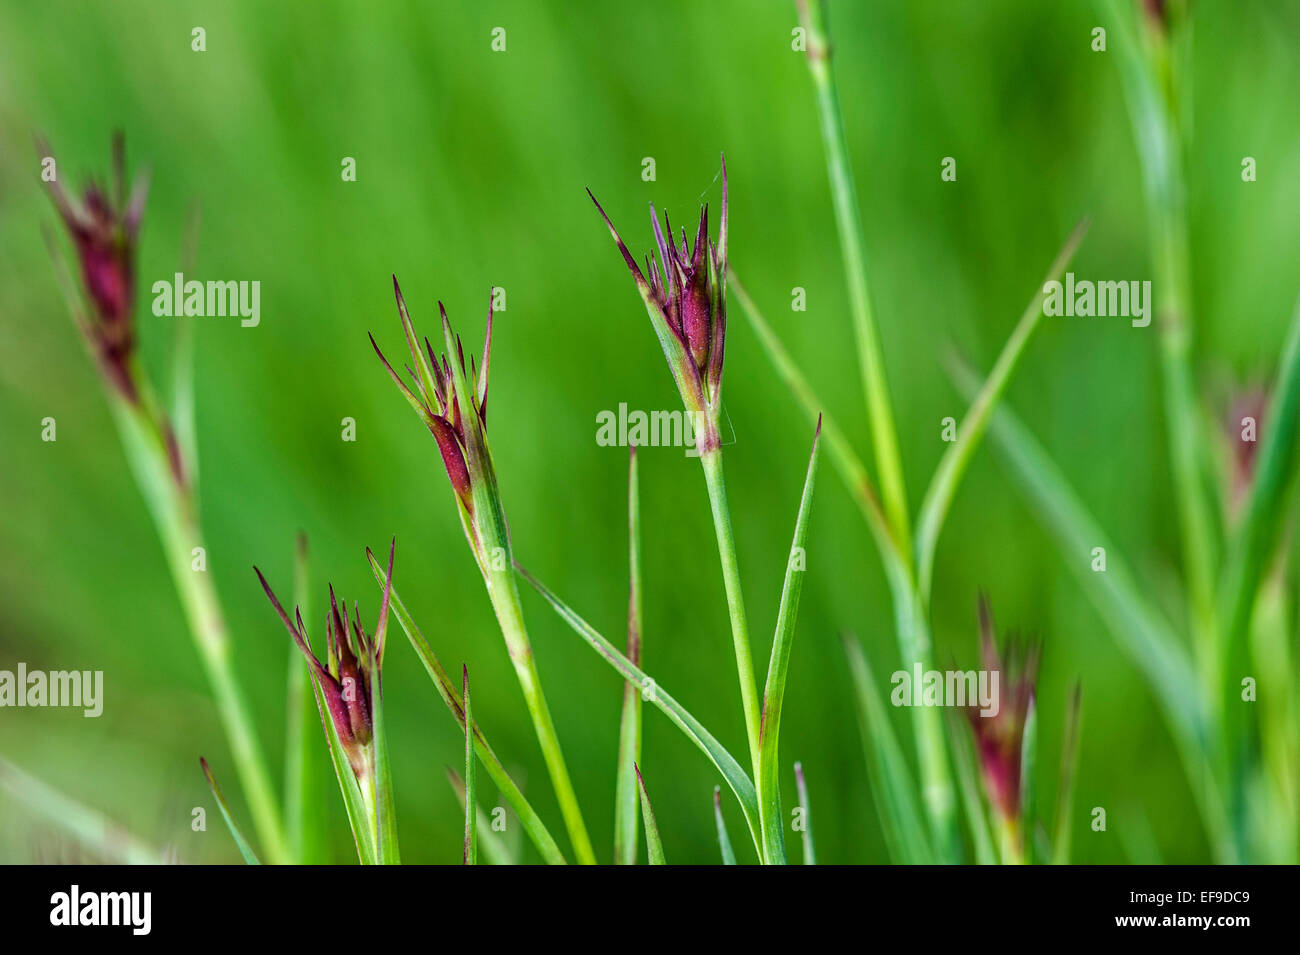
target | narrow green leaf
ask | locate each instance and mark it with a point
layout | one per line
(969, 786)
(850, 467)
(724, 840)
(471, 816)
(801, 787)
(496, 850)
(1069, 775)
(654, 847)
(1275, 467)
(385, 808)
(891, 784)
(357, 804)
(848, 222)
(532, 823)
(304, 797)
(245, 849)
(1029, 780)
(726, 764)
(626, 801)
(89, 827)
(778, 666)
(952, 466)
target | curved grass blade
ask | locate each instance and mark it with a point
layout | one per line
(968, 783)
(852, 471)
(726, 764)
(88, 826)
(724, 840)
(626, 801)
(778, 666)
(1069, 774)
(892, 786)
(952, 466)
(1029, 782)
(471, 816)
(654, 847)
(245, 849)
(528, 818)
(809, 850)
(385, 809)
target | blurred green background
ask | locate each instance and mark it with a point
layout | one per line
(471, 167)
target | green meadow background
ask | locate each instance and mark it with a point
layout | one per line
(471, 173)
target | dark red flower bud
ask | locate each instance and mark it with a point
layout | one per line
(348, 682)
(999, 737)
(684, 289)
(104, 229)
(434, 396)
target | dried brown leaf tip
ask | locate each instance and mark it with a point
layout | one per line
(348, 682)
(104, 224)
(684, 288)
(434, 396)
(999, 736)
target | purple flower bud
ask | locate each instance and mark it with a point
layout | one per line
(104, 229)
(686, 294)
(348, 682)
(434, 396)
(999, 738)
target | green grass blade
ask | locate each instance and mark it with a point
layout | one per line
(778, 666)
(626, 801)
(891, 783)
(528, 818)
(801, 787)
(848, 223)
(654, 847)
(724, 840)
(496, 850)
(1069, 775)
(360, 816)
(1029, 781)
(471, 816)
(850, 467)
(304, 794)
(726, 764)
(245, 849)
(88, 826)
(963, 756)
(1275, 466)
(957, 456)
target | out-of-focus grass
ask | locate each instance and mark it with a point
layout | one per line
(471, 166)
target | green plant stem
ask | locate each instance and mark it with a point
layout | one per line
(712, 463)
(174, 512)
(853, 245)
(504, 593)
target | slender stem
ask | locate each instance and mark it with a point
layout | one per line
(504, 593)
(712, 462)
(853, 246)
(174, 514)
